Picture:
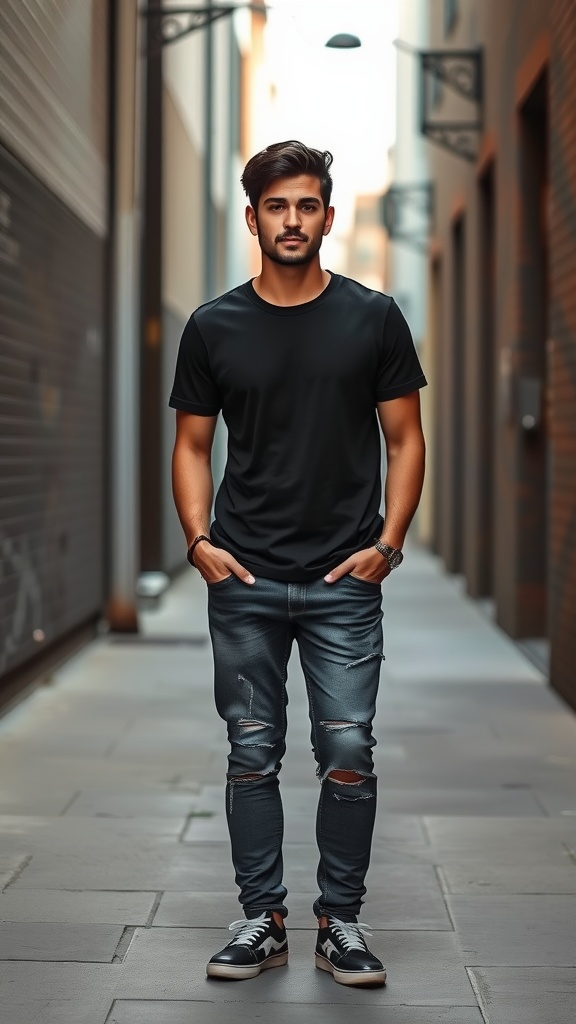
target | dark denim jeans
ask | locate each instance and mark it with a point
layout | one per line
(338, 629)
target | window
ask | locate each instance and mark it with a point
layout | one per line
(450, 15)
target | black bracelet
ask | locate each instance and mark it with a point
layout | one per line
(190, 552)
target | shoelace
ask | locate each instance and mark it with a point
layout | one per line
(350, 933)
(248, 931)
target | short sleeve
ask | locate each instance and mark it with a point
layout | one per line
(194, 389)
(399, 370)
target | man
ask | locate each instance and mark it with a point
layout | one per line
(302, 363)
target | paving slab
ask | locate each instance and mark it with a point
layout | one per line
(487, 802)
(84, 1010)
(557, 803)
(125, 908)
(534, 995)
(39, 802)
(425, 968)
(56, 993)
(487, 879)
(45, 781)
(465, 833)
(112, 787)
(516, 931)
(143, 863)
(445, 655)
(10, 863)
(131, 805)
(399, 897)
(77, 746)
(75, 833)
(443, 704)
(141, 1011)
(56, 980)
(94, 943)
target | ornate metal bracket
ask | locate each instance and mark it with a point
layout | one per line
(407, 212)
(173, 23)
(461, 71)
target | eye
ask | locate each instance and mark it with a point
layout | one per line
(275, 207)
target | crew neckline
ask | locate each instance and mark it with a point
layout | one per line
(301, 307)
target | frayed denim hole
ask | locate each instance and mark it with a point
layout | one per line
(367, 657)
(352, 798)
(246, 779)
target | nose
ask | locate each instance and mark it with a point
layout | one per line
(292, 217)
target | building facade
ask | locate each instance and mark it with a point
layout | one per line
(54, 232)
(407, 212)
(501, 333)
(116, 154)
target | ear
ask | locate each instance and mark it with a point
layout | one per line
(329, 220)
(251, 220)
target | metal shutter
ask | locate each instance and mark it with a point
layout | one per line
(53, 222)
(53, 71)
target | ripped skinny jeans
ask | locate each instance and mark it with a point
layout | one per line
(338, 630)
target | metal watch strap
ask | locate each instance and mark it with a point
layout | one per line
(190, 552)
(393, 556)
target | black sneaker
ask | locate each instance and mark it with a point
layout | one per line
(341, 949)
(257, 945)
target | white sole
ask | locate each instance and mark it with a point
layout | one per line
(351, 977)
(242, 973)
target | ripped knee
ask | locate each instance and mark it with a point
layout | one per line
(346, 778)
(340, 726)
(244, 780)
(345, 742)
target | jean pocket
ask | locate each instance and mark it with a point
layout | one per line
(361, 582)
(221, 583)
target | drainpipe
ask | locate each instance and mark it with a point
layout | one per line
(121, 611)
(209, 218)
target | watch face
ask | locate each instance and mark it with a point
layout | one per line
(393, 555)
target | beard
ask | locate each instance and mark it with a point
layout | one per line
(290, 259)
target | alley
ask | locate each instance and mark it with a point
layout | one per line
(114, 862)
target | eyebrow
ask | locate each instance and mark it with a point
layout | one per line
(282, 199)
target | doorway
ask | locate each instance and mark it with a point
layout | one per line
(533, 442)
(484, 583)
(455, 539)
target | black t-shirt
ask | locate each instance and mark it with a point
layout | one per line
(297, 386)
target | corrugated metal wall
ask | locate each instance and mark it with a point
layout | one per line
(53, 83)
(53, 222)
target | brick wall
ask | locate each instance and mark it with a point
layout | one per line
(562, 349)
(505, 496)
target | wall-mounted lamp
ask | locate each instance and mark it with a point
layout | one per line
(343, 41)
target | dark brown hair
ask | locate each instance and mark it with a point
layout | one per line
(286, 160)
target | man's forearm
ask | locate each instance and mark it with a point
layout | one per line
(193, 490)
(404, 479)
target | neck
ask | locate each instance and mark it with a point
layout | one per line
(283, 285)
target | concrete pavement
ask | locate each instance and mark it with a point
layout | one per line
(114, 863)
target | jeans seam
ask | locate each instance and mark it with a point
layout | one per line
(322, 873)
(311, 706)
(284, 680)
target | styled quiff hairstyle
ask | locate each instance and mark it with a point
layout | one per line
(286, 160)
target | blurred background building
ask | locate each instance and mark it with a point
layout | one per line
(117, 148)
(496, 104)
(123, 134)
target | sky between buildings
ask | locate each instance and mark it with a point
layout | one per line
(341, 100)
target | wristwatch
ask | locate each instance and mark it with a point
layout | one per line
(393, 556)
